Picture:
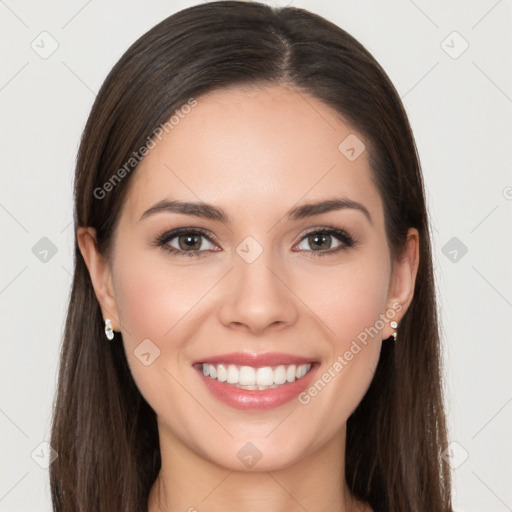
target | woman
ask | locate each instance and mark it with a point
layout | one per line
(252, 321)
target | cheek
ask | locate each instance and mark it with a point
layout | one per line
(348, 298)
(158, 308)
(152, 297)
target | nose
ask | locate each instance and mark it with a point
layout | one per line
(256, 297)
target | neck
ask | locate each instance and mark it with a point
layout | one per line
(189, 482)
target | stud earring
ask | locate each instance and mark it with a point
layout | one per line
(394, 325)
(109, 332)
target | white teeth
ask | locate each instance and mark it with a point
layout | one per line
(280, 375)
(233, 374)
(265, 376)
(222, 373)
(290, 373)
(248, 377)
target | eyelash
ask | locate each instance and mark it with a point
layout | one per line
(348, 241)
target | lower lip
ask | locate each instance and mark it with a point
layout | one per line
(251, 399)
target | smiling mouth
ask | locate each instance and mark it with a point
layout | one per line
(254, 378)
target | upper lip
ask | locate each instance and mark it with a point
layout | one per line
(256, 360)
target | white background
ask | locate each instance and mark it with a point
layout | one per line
(460, 110)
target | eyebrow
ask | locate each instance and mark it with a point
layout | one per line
(208, 211)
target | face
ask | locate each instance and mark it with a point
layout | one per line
(249, 286)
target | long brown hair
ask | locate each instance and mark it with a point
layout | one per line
(104, 431)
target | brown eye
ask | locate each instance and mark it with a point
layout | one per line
(326, 241)
(192, 242)
(186, 242)
(320, 241)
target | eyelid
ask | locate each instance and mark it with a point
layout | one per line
(173, 233)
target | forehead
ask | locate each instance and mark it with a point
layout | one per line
(258, 151)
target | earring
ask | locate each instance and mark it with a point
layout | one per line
(109, 332)
(394, 325)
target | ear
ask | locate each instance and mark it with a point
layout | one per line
(403, 279)
(101, 274)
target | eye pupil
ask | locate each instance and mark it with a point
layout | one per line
(323, 240)
(190, 242)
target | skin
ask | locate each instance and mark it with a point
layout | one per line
(256, 153)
